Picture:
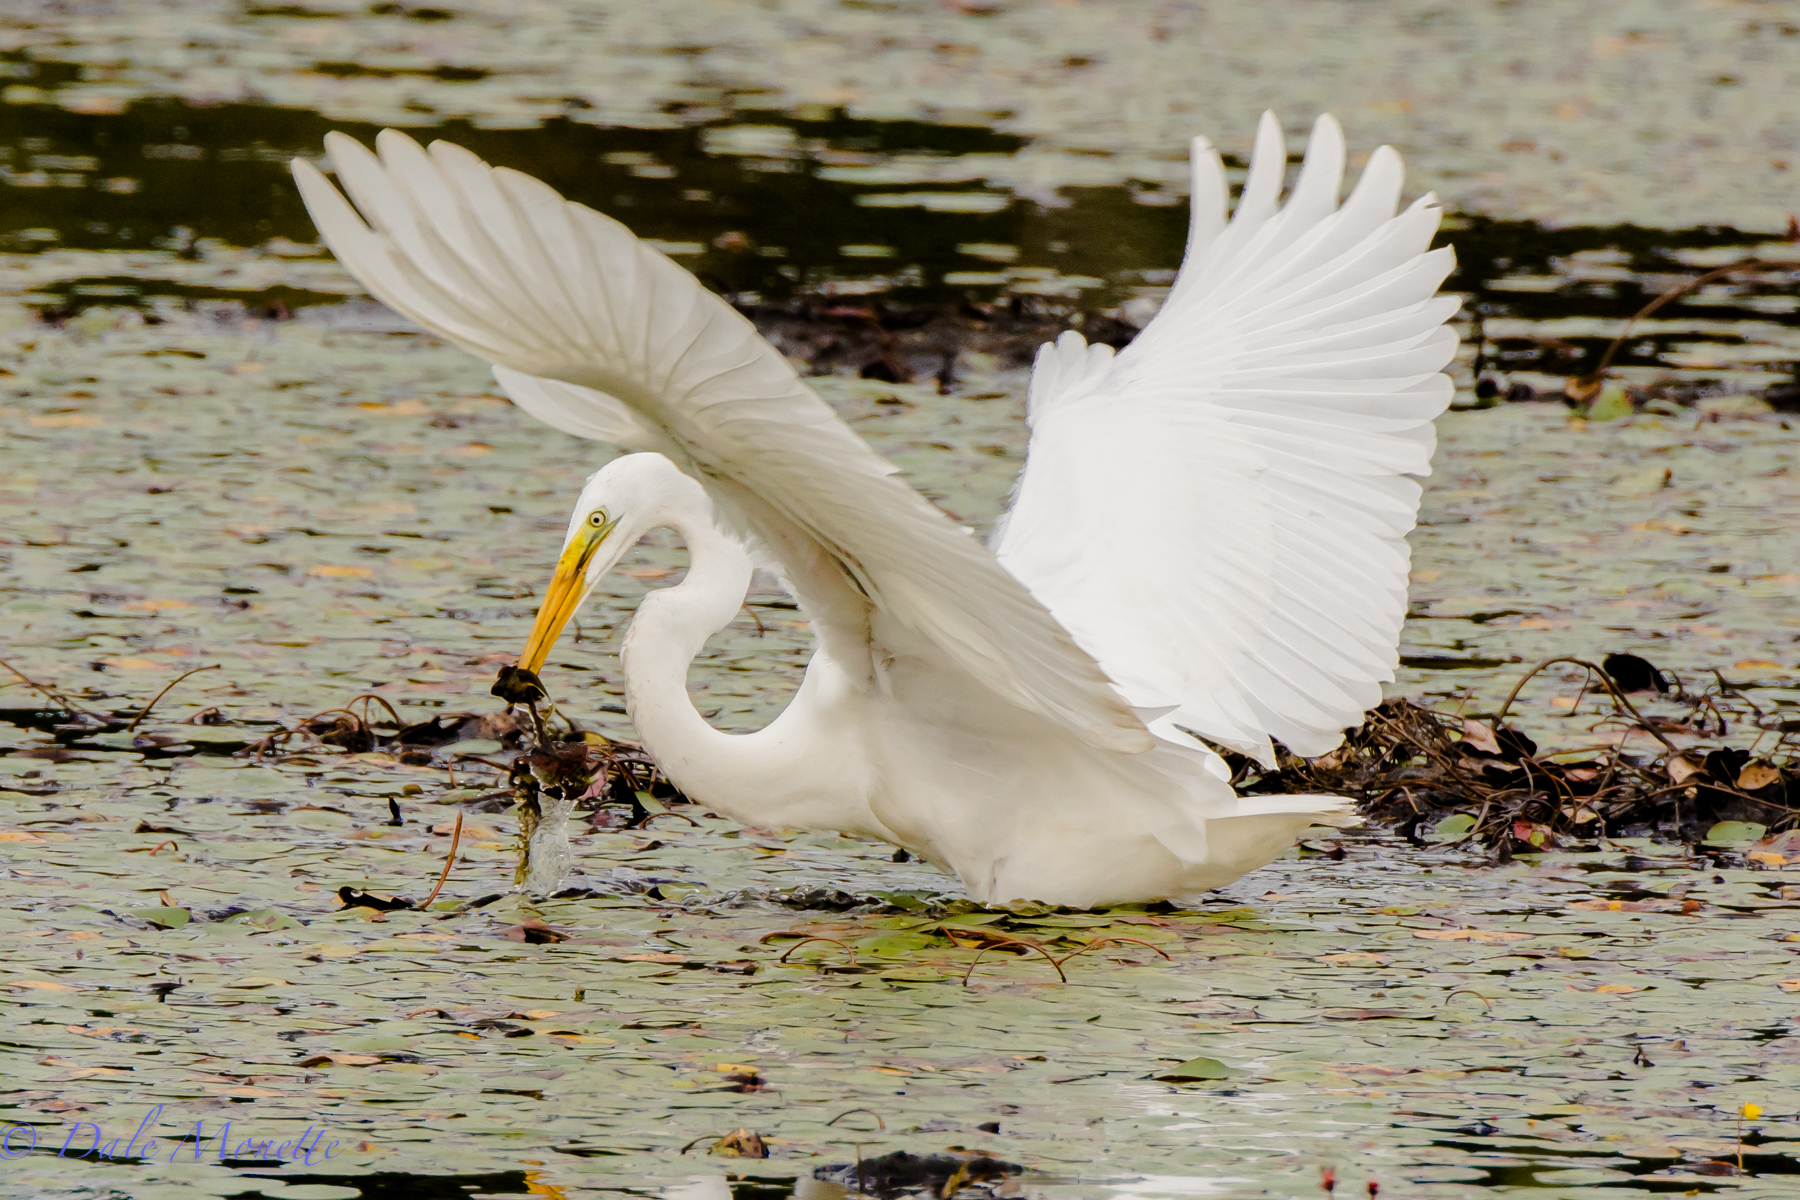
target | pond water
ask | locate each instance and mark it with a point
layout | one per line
(216, 452)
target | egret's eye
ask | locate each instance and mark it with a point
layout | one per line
(597, 518)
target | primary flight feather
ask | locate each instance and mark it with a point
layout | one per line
(1208, 536)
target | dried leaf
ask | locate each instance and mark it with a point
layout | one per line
(1534, 835)
(1757, 776)
(740, 1143)
(1629, 905)
(1480, 735)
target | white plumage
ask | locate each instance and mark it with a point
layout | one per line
(1219, 513)
(1208, 536)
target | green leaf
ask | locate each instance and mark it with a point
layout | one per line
(1611, 404)
(897, 943)
(1197, 1069)
(1726, 832)
(1454, 828)
(265, 918)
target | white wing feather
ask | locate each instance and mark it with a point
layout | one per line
(583, 412)
(601, 336)
(1219, 513)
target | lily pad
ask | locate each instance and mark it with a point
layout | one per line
(168, 918)
(1728, 832)
(1611, 404)
(1195, 1070)
(1453, 828)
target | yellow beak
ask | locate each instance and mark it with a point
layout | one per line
(568, 588)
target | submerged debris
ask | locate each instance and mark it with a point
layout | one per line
(1481, 779)
(903, 1174)
(549, 776)
(359, 732)
(351, 897)
(891, 342)
(740, 1143)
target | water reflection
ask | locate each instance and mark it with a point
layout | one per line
(830, 209)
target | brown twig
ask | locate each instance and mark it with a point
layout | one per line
(359, 722)
(1003, 943)
(1583, 387)
(455, 840)
(146, 710)
(815, 937)
(1107, 941)
(879, 1123)
(67, 704)
(1605, 679)
(365, 698)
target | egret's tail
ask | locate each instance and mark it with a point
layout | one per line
(1264, 826)
(1318, 810)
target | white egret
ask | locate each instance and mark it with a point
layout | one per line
(1209, 534)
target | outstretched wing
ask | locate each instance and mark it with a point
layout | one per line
(604, 337)
(1219, 513)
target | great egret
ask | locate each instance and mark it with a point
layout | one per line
(1208, 534)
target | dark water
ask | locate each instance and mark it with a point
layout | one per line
(165, 174)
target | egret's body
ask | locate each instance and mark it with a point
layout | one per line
(1209, 534)
(925, 759)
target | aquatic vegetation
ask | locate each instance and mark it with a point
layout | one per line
(215, 454)
(1475, 777)
(1466, 1021)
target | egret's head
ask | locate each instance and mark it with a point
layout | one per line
(585, 560)
(621, 501)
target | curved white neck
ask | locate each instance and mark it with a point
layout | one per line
(671, 627)
(806, 769)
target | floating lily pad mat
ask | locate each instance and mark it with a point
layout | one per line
(335, 505)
